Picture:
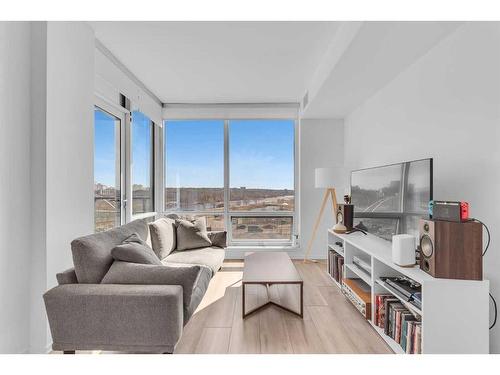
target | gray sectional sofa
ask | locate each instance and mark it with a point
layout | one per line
(106, 304)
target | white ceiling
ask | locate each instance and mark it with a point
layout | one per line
(220, 62)
(378, 52)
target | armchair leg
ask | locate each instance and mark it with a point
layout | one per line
(68, 352)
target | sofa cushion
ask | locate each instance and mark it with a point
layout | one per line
(218, 238)
(163, 236)
(212, 257)
(194, 280)
(67, 277)
(92, 254)
(135, 250)
(192, 234)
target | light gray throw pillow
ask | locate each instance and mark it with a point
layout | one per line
(163, 236)
(218, 238)
(192, 234)
(135, 250)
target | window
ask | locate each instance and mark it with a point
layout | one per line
(240, 174)
(107, 185)
(257, 228)
(194, 165)
(142, 163)
(261, 160)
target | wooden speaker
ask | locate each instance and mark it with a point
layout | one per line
(451, 250)
(345, 215)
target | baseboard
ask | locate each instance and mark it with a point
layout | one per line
(294, 254)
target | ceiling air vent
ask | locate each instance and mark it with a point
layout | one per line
(124, 101)
(305, 100)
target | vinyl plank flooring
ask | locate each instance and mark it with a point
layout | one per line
(362, 334)
(273, 334)
(214, 341)
(313, 273)
(333, 333)
(312, 296)
(220, 313)
(304, 337)
(245, 333)
(192, 333)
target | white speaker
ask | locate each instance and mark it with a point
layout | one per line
(403, 250)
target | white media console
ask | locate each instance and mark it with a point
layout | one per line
(454, 313)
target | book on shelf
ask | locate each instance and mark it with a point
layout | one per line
(405, 318)
(335, 265)
(399, 323)
(414, 338)
(380, 309)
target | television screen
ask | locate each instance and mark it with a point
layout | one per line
(391, 199)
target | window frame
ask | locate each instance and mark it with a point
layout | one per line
(154, 162)
(226, 212)
(121, 115)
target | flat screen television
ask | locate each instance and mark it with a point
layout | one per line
(391, 199)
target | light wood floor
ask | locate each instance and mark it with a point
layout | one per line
(330, 325)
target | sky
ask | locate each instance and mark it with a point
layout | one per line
(261, 152)
(106, 144)
(105, 148)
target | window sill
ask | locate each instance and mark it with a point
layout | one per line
(143, 215)
(238, 248)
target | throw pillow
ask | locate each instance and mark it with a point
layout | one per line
(163, 236)
(135, 250)
(192, 234)
(218, 238)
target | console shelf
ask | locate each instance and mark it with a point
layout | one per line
(454, 313)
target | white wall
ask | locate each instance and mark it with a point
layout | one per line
(321, 145)
(70, 140)
(38, 257)
(15, 186)
(62, 176)
(445, 106)
(110, 81)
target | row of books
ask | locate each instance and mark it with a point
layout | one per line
(399, 323)
(336, 266)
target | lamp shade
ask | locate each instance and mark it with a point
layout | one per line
(328, 177)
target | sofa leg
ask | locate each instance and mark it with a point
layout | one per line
(68, 352)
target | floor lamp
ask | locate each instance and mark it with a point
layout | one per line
(325, 178)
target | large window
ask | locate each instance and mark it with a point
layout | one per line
(194, 165)
(107, 183)
(238, 173)
(261, 175)
(142, 162)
